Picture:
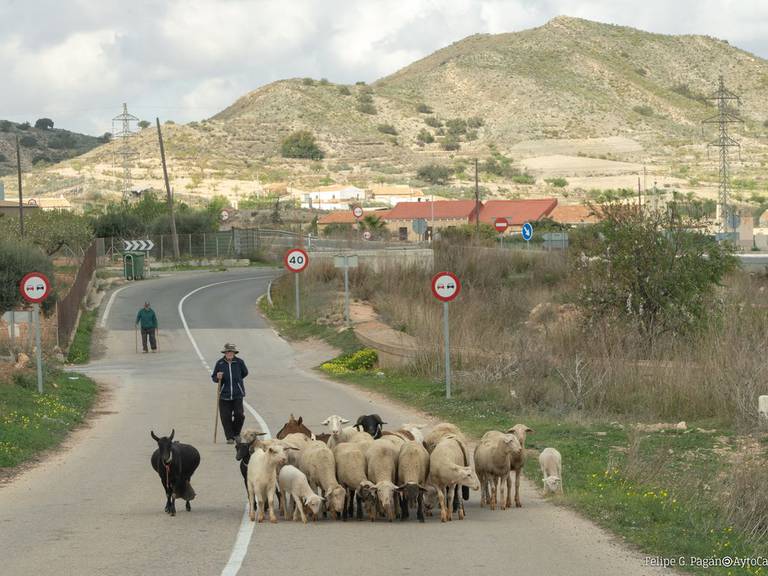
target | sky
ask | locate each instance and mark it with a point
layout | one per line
(78, 61)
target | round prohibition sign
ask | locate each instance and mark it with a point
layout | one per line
(296, 260)
(357, 212)
(445, 286)
(35, 287)
(501, 224)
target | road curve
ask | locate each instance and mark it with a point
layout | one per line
(95, 506)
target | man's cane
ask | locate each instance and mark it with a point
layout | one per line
(157, 338)
(216, 419)
(136, 336)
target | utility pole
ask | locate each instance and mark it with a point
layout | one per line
(725, 115)
(168, 192)
(477, 204)
(21, 196)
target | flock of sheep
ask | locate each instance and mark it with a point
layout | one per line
(363, 471)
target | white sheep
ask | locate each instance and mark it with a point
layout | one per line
(446, 472)
(262, 479)
(415, 430)
(382, 468)
(412, 471)
(439, 431)
(298, 442)
(519, 430)
(352, 474)
(551, 465)
(295, 493)
(318, 463)
(493, 457)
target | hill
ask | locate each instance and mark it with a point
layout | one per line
(567, 90)
(40, 146)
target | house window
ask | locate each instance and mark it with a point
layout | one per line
(402, 233)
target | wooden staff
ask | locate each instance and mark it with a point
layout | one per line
(216, 419)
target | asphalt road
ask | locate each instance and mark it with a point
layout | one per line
(96, 506)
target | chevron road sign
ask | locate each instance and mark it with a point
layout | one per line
(140, 245)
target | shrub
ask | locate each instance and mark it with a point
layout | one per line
(359, 361)
(523, 179)
(307, 82)
(29, 141)
(450, 143)
(366, 108)
(641, 71)
(344, 91)
(557, 182)
(301, 144)
(423, 109)
(5, 126)
(456, 126)
(324, 82)
(425, 136)
(475, 122)
(23, 126)
(387, 129)
(3, 157)
(434, 174)
(643, 110)
(433, 122)
(144, 124)
(44, 124)
(63, 140)
(17, 258)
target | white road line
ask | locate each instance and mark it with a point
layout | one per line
(240, 548)
(103, 322)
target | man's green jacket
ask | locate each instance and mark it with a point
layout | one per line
(147, 318)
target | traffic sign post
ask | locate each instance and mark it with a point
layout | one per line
(357, 212)
(35, 287)
(296, 260)
(346, 261)
(445, 287)
(527, 232)
(501, 225)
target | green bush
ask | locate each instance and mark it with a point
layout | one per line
(29, 141)
(423, 109)
(80, 350)
(387, 129)
(324, 82)
(450, 143)
(366, 108)
(475, 122)
(433, 122)
(307, 82)
(360, 361)
(301, 144)
(523, 179)
(425, 136)
(557, 182)
(643, 110)
(344, 91)
(456, 126)
(5, 126)
(434, 174)
(18, 258)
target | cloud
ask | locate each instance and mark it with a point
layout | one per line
(188, 58)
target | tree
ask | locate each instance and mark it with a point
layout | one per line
(5, 126)
(375, 225)
(301, 144)
(144, 124)
(50, 230)
(434, 174)
(44, 124)
(18, 258)
(106, 137)
(650, 267)
(275, 218)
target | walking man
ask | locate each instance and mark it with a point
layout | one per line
(230, 371)
(148, 320)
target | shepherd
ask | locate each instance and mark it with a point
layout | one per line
(148, 321)
(229, 373)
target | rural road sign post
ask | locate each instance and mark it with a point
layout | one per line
(138, 245)
(501, 225)
(296, 260)
(346, 261)
(445, 287)
(527, 232)
(35, 287)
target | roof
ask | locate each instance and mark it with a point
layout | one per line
(346, 216)
(335, 188)
(396, 190)
(573, 214)
(429, 210)
(517, 212)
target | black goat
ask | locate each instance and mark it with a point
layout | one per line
(370, 423)
(175, 463)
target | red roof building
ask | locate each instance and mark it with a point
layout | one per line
(517, 212)
(346, 216)
(444, 210)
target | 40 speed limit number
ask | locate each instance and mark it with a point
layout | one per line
(295, 260)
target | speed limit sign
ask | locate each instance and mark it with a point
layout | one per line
(357, 212)
(296, 260)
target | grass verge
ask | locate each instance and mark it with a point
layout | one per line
(80, 350)
(658, 491)
(32, 422)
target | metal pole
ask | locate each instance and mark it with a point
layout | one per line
(161, 245)
(190, 245)
(217, 246)
(346, 289)
(298, 307)
(174, 237)
(446, 339)
(38, 346)
(204, 243)
(21, 201)
(477, 204)
(13, 327)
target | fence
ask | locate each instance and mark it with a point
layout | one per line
(68, 307)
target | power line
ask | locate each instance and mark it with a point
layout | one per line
(123, 128)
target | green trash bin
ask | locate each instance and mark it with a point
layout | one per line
(133, 265)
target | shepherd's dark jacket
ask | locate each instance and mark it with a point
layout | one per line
(232, 387)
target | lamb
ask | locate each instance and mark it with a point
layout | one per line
(262, 479)
(493, 457)
(415, 430)
(550, 462)
(446, 472)
(351, 473)
(318, 464)
(382, 471)
(412, 471)
(516, 463)
(295, 492)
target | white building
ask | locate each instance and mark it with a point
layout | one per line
(335, 197)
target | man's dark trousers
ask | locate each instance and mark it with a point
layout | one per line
(152, 342)
(232, 417)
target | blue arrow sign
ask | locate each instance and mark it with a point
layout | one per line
(527, 231)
